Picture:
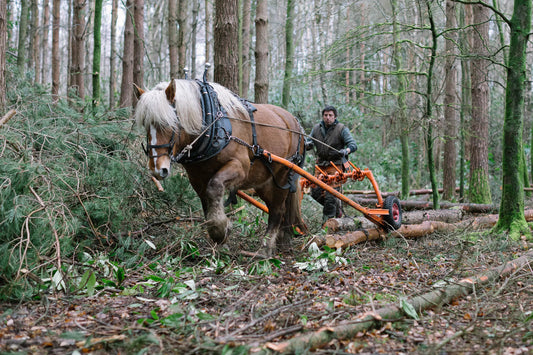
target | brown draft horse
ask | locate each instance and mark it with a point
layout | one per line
(172, 115)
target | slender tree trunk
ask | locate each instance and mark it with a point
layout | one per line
(126, 88)
(466, 94)
(511, 216)
(226, 44)
(194, 33)
(36, 42)
(208, 31)
(77, 49)
(23, 35)
(44, 43)
(96, 52)
(138, 44)
(112, 60)
(429, 109)
(289, 54)
(182, 45)
(56, 13)
(450, 116)
(246, 64)
(402, 104)
(173, 38)
(3, 47)
(261, 52)
(479, 190)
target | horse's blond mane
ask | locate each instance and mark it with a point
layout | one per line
(153, 107)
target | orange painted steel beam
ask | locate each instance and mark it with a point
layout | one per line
(253, 201)
(374, 215)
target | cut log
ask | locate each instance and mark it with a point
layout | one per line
(409, 231)
(369, 320)
(409, 205)
(412, 217)
(7, 117)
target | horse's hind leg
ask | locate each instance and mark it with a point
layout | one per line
(218, 225)
(275, 200)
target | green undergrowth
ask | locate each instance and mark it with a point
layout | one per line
(72, 182)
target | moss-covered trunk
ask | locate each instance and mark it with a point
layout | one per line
(512, 204)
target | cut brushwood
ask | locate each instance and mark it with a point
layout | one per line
(7, 117)
(408, 205)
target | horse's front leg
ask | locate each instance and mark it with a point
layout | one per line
(229, 176)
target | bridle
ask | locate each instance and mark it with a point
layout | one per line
(169, 146)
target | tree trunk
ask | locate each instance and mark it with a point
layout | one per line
(466, 96)
(450, 117)
(401, 102)
(138, 44)
(194, 32)
(208, 31)
(246, 64)
(44, 43)
(3, 48)
(429, 108)
(479, 190)
(96, 52)
(512, 204)
(23, 35)
(126, 88)
(56, 13)
(226, 44)
(289, 54)
(182, 45)
(77, 51)
(173, 38)
(261, 52)
(36, 42)
(112, 60)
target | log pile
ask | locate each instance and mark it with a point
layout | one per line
(406, 230)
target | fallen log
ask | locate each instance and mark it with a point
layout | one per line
(409, 231)
(409, 205)
(7, 117)
(433, 299)
(411, 217)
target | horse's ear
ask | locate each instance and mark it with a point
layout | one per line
(170, 91)
(137, 91)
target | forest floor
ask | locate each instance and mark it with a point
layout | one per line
(229, 303)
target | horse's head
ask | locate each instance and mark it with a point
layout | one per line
(156, 114)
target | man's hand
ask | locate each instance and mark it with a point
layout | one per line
(309, 145)
(344, 152)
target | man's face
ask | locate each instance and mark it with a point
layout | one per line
(328, 117)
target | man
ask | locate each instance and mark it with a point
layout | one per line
(333, 142)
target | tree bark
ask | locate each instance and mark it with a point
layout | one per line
(512, 203)
(261, 52)
(227, 44)
(289, 54)
(173, 38)
(77, 51)
(194, 32)
(429, 300)
(450, 117)
(3, 47)
(126, 88)
(56, 23)
(182, 30)
(112, 60)
(44, 43)
(479, 190)
(23, 35)
(36, 42)
(246, 63)
(138, 44)
(96, 52)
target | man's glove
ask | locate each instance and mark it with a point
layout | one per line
(309, 145)
(343, 152)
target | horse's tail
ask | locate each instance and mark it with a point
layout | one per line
(293, 211)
